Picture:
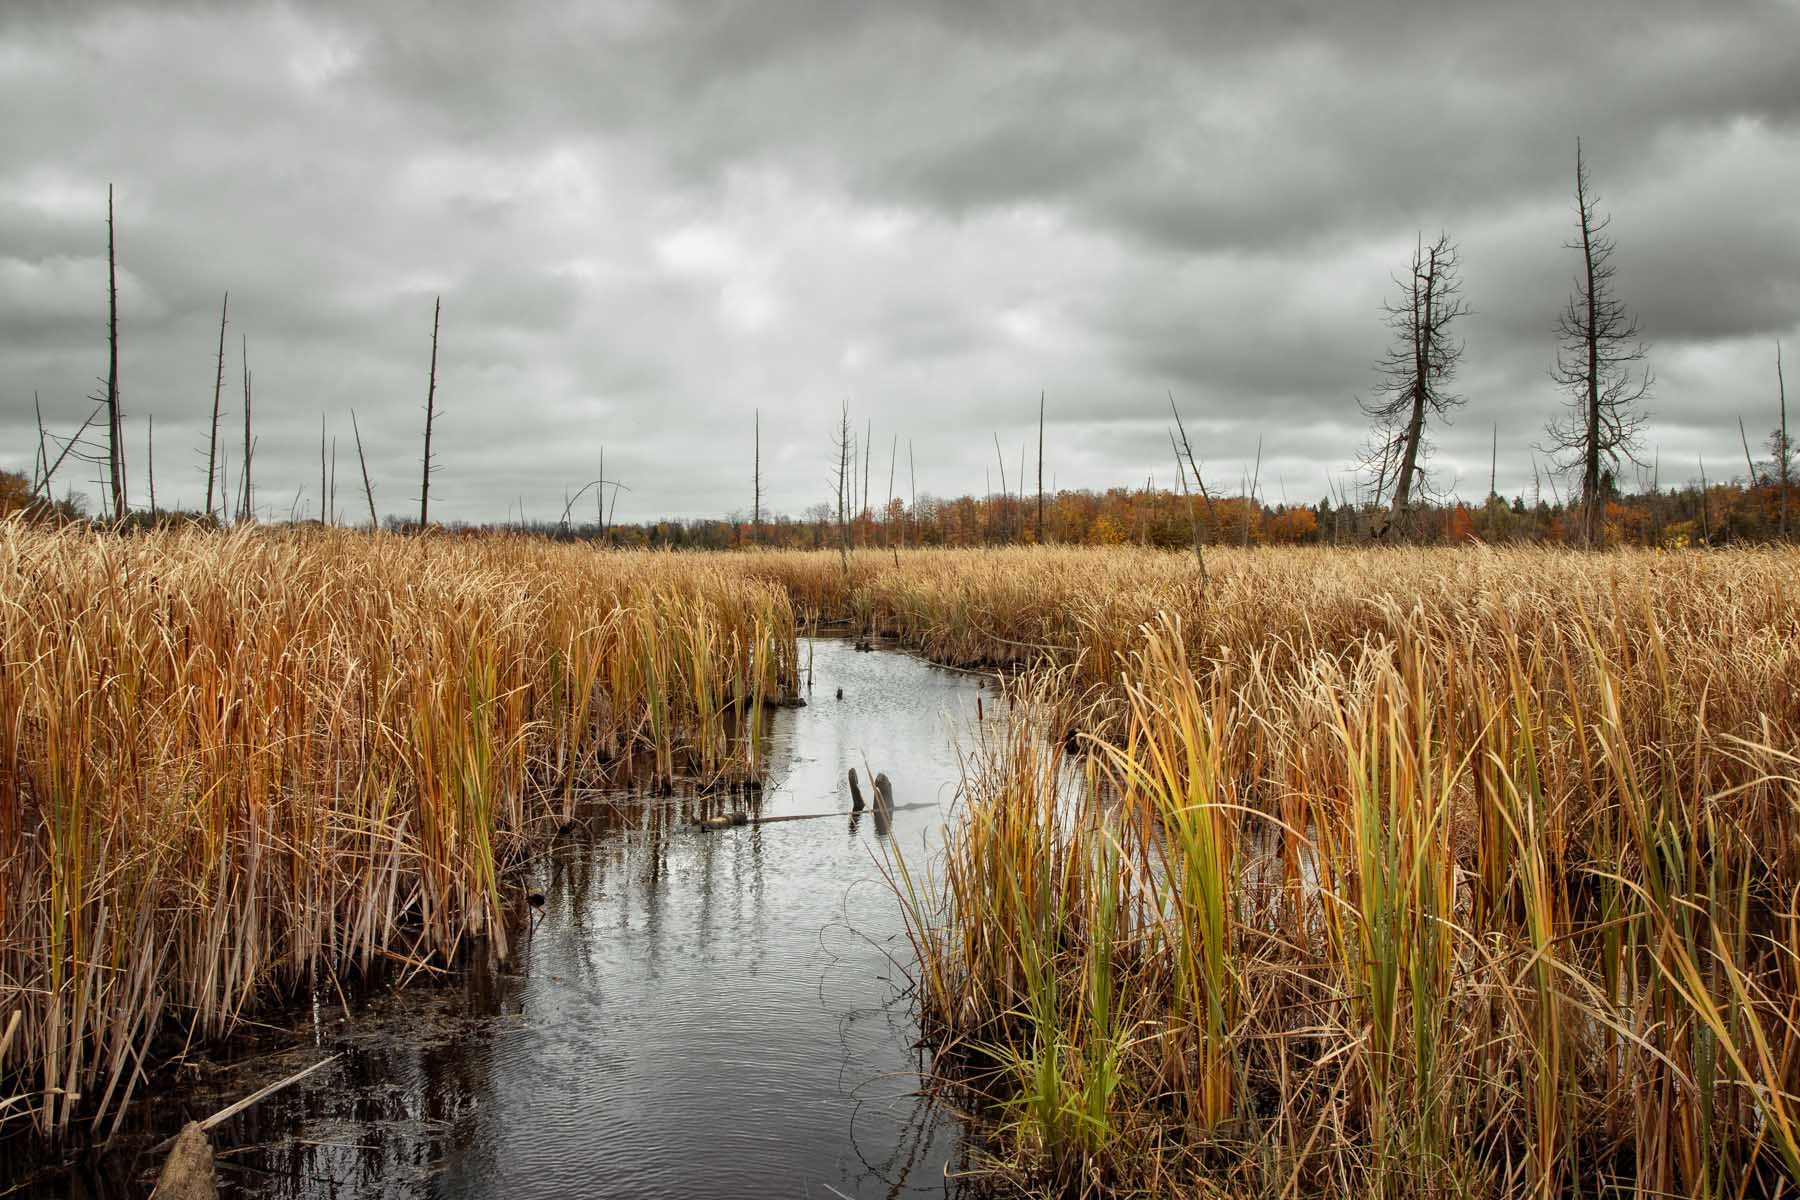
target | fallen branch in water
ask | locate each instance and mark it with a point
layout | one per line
(232, 1110)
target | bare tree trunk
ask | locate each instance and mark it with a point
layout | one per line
(756, 481)
(1193, 516)
(1255, 479)
(115, 425)
(1415, 425)
(1188, 449)
(612, 509)
(247, 501)
(1004, 493)
(212, 441)
(1040, 504)
(912, 472)
(868, 450)
(40, 470)
(368, 491)
(1705, 524)
(1787, 447)
(430, 413)
(843, 481)
(1494, 461)
(150, 461)
(1590, 468)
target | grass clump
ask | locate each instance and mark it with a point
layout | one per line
(236, 765)
(1432, 872)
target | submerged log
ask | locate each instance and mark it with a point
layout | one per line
(856, 796)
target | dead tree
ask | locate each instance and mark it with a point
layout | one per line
(868, 447)
(368, 491)
(150, 461)
(246, 502)
(69, 447)
(841, 480)
(430, 415)
(756, 492)
(1596, 364)
(1193, 516)
(1416, 372)
(115, 452)
(1004, 493)
(887, 513)
(212, 443)
(1780, 446)
(1039, 535)
(1199, 484)
(38, 468)
(912, 472)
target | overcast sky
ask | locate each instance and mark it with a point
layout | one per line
(647, 220)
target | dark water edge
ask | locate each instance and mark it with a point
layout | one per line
(690, 1014)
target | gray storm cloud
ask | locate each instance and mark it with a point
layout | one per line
(648, 220)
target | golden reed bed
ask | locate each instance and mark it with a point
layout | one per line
(1394, 871)
(232, 765)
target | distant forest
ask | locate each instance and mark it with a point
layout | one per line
(1721, 513)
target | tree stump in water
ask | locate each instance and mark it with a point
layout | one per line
(884, 805)
(856, 796)
(187, 1173)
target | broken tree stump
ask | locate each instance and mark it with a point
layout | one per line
(187, 1173)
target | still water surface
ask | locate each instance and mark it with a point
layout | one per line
(693, 1014)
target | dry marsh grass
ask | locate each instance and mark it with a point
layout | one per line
(1466, 871)
(232, 765)
(1395, 872)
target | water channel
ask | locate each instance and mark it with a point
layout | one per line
(689, 1014)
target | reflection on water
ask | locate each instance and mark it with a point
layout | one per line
(690, 1014)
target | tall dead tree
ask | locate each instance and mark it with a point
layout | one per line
(1039, 532)
(1494, 462)
(212, 442)
(912, 473)
(887, 512)
(368, 491)
(1596, 364)
(1193, 516)
(1416, 371)
(115, 453)
(1780, 445)
(1187, 450)
(40, 467)
(1004, 493)
(430, 415)
(150, 461)
(842, 480)
(246, 501)
(756, 492)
